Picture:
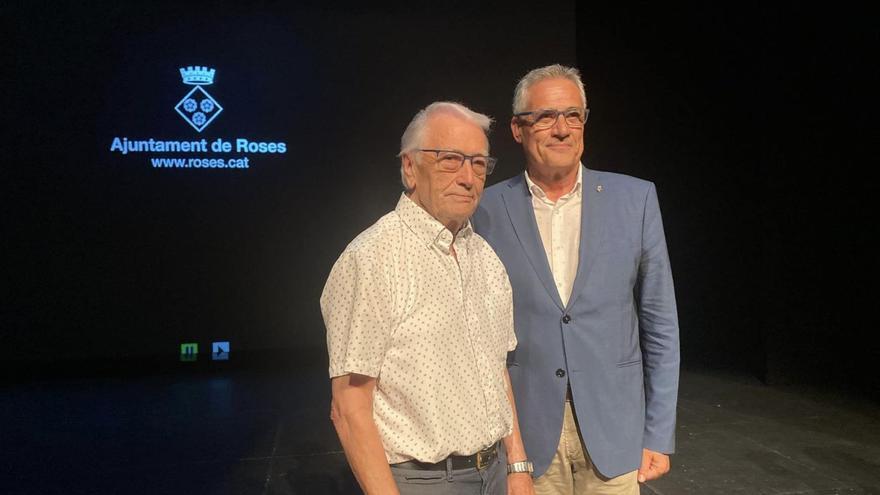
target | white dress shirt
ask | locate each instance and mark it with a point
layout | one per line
(434, 332)
(559, 224)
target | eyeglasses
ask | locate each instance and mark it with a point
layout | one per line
(452, 161)
(546, 118)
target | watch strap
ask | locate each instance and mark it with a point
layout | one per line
(520, 467)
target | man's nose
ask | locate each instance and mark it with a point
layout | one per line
(466, 175)
(560, 127)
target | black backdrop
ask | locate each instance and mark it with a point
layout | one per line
(113, 258)
(757, 123)
(754, 123)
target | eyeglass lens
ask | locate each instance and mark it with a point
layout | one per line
(574, 117)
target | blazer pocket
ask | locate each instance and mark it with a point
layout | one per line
(629, 363)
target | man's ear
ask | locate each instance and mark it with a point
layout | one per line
(515, 129)
(409, 174)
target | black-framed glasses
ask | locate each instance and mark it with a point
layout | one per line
(546, 118)
(452, 161)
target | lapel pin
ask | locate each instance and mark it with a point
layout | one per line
(599, 188)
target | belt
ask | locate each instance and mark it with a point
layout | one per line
(480, 460)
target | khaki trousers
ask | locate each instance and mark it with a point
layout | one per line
(572, 471)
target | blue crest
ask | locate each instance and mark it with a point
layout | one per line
(198, 108)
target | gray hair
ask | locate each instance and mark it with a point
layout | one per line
(555, 71)
(414, 133)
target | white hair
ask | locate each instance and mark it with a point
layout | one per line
(414, 134)
(555, 71)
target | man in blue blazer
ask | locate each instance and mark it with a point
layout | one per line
(596, 371)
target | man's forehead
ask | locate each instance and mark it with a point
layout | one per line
(554, 90)
(453, 130)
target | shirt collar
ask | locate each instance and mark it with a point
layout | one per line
(576, 190)
(427, 228)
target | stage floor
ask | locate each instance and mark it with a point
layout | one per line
(249, 432)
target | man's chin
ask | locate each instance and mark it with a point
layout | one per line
(566, 163)
(459, 202)
(463, 211)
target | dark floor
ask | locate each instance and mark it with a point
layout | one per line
(268, 433)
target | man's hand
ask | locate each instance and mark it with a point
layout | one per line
(654, 465)
(520, 484)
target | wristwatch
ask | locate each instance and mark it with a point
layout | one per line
(521, 467)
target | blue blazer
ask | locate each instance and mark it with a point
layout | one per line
(616, 342)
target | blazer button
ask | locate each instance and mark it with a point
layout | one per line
(560, 372)
(566, 319)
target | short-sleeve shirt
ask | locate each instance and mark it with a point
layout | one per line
(434, 331)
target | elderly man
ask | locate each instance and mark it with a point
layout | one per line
(596, 370)
(419, 321)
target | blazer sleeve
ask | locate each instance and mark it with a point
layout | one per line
(658, 331)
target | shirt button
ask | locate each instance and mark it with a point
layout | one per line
(566, 319)
(560, 372)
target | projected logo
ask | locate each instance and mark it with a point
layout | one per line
(220, 351)
(189, 351)
(198, 108)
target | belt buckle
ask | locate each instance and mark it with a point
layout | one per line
(480, 465)
(485, 456)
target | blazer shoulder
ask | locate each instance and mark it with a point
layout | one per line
(505, 184)
(621, 181)
(493, 193)
(492, 204)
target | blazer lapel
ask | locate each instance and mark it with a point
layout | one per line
(592, 229)
(518, 202)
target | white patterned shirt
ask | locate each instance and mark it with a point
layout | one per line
(559, 224)
(434, 332)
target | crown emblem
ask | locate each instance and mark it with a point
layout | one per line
(197, 75)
